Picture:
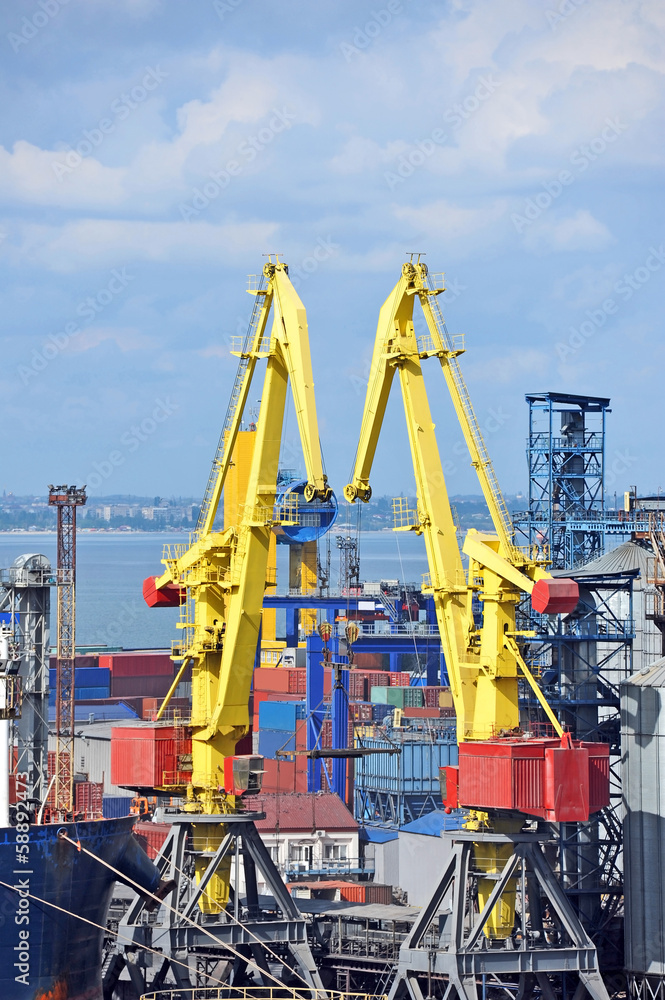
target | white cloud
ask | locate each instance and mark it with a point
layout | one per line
(42, 177)
(109, 242)
(580, 231)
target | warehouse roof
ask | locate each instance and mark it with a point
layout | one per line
(626, 558)
(653, 676)
(298, 812)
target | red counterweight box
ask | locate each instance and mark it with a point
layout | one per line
(562, 781)
(151, 756)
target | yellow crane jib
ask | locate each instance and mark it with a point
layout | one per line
(219, 578)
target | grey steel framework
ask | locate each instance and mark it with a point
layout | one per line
(549, 940)
(581, 661)
(248, 925)
(65, 499)
(25, 601)
(643, 744)
(566, 457)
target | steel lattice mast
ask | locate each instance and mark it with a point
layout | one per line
(66, 499)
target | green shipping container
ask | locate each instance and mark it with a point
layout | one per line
(398, 697)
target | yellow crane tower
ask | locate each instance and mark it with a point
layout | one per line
(483, 664)
(220, 578)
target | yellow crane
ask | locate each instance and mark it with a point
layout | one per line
(220, 578)
(484, 661)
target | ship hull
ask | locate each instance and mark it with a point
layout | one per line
(48, 953)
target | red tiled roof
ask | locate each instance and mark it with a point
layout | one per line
(297, 812)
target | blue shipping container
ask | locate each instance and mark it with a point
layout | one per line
(271, 740)
(86, 677)
(281, 715)
(115, 806)
(90, 694)
(415, 770)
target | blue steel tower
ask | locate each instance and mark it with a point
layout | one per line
(566, 457)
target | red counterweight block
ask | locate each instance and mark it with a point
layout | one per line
(555, 596)
(169, 596)
(562, 781)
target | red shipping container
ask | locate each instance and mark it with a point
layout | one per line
(399, 678)
(366, 892)
(150, 756)
(151, 686)
(361, 711)
(368, 661)
(357, 686)
(151, 836)
(421, 713)
(431, 696)
(134, 663)
(535, 777)
(88, 797)
(378, 678)
(284, 775)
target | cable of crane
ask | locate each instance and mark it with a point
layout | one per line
(101, 927)
(199, 927)
(245, 928)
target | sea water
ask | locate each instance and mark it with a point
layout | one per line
(111, 567)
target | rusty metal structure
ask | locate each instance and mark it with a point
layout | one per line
(65, 499)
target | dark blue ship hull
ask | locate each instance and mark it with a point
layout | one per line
(47, 953)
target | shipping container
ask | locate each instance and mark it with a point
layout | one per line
(357, 685)
(90, 693)
(151, 836)
(85, 677)
(431, 696)
(421, 713)
(288, 680)
(366, 892)
(399, 678)
(361, 711)
(88, 798)
(368, 661)
(115, 806)
(414, 771)
(150, 756)
(272, 740)
(399, 697)
(379, 712)
(150, 686)
(143, 664)
(281, 714)
(285, 775)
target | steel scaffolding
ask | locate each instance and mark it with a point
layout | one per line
(566, 457)
(65, 499)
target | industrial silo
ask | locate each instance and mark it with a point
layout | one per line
(643, 749)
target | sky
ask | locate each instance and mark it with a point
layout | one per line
(151, 152)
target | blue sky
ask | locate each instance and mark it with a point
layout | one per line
(151, 151)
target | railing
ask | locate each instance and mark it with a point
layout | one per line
(329, 866)
(257, 993)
